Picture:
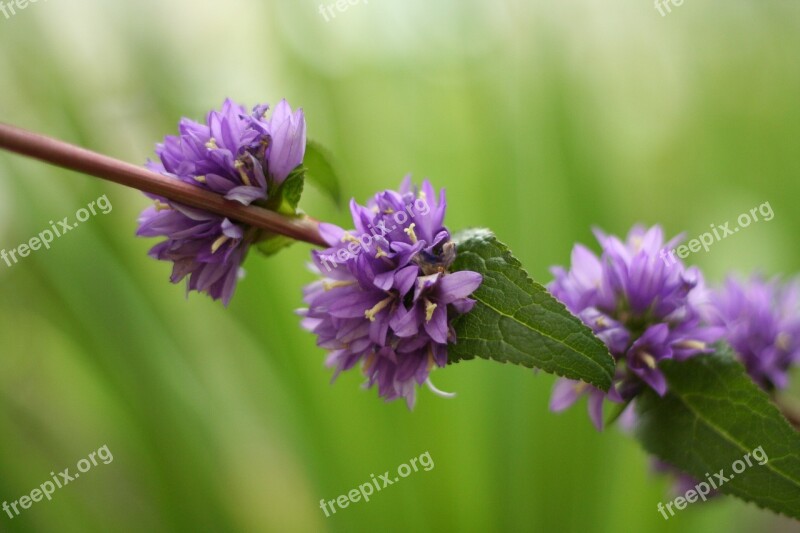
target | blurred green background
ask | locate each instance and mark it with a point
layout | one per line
(542, 119)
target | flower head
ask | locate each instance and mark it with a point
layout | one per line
(242, 156)
(645, 306)
(762, 324)
(387, 295)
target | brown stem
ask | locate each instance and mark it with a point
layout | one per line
(72, 157)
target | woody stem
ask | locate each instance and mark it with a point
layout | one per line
(75, 158)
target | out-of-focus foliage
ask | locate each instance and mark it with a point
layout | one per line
(541, 119)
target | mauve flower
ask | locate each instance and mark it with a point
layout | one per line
(761, 320)
(243, 157)
(288, 132)
(387, 296)
(643, 305)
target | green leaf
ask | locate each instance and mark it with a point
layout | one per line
(292, 190)
(712, 416)
(321, 171)
(273, 244)
(287, 197)
(284, 200)
(517, 321)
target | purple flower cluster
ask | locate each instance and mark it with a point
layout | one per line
(647, 310)
(761, 320)
(643, 309)
(242, 156)
(387, 296)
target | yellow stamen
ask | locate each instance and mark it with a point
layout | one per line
(328, 285)
(429, 309)
(410, 232)
(377, 308)
(381, 253)
(347, 237)
(212, 144)
(218, 243)
(784, 341)
(242, 173)
(201, 179)
(161, 206)
(692, 345)
(648, 359)
(388, 211)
